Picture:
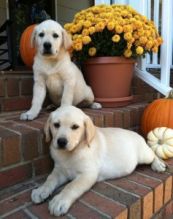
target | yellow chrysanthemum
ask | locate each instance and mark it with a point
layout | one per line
(122, 20)
(139, 50)
(100, 26)
(86, 40)
(73, 29)
(68, 26)
(143, 40)
(155, 49)
(77, 46)
(110, 25)
(149, 44)
(128, 53)
(85, 32)
(128, 36)
(87, 24)
(116, 38)
(127, 28)
(92, 51)
(159, 40)
(119, 29)
(91, 30)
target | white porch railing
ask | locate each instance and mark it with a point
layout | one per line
(161, 13)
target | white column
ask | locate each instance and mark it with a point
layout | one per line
(166, 48)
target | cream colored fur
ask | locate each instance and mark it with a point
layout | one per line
(54, 71)
(91, 154)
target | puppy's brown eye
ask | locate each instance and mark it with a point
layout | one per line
(41, 34)
(55, 35)
(57, 125)
(74, 127)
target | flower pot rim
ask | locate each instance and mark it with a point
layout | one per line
(109, 59)
(116, 99)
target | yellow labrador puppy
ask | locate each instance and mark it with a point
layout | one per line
(85, 154)
(54, 70)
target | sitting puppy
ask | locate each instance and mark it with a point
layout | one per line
(54, 70)
(85, 154)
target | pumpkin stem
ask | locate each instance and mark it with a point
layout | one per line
(170, 95)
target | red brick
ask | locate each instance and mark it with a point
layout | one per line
(126, 118)
(43, 165)
(134, 115)
(13, 87)
(105, 205)
(26, 86)
(131, 200)
(82, 211)
(164, 177)
(145, 193)
(2, 88)
(155, 184)
(41, 211)
(30, 139)
(98, 118)
(15, 202)
(118, 118)
(12, 104)
(18, 215)
(15, 175)
(108, 118)
(10, 147)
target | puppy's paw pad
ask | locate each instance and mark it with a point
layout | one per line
(59, 206)
(96, 105)
(158, 165)
(40, 194)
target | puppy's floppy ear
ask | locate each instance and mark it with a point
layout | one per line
(33, 36)
(67, 42)
(47, 129)
(90, 129)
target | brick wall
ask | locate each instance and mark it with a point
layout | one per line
(15, 90)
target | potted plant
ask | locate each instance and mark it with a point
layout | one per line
(107, 39)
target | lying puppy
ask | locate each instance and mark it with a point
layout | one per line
(54, 70)
(85, 154)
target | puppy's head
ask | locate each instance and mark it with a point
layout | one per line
(69, 127)
(49, 38)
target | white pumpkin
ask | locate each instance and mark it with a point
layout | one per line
(161, 142)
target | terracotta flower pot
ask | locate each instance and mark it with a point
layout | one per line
(110, 79)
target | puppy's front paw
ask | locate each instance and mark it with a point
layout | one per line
(95, 106)
(59, 205)
(28, 116)
(40, 194)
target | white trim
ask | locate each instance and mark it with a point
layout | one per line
(98, 2)
(153, 81)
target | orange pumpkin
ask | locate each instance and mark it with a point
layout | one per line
(158, 114)
(26, 51)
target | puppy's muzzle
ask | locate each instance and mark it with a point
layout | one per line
(47, 48)
(62, 143)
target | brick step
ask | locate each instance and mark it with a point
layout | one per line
(16, 90)
(142, 195)
(25, 154)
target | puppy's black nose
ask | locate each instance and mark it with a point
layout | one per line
(62, 142)
(47, 46)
